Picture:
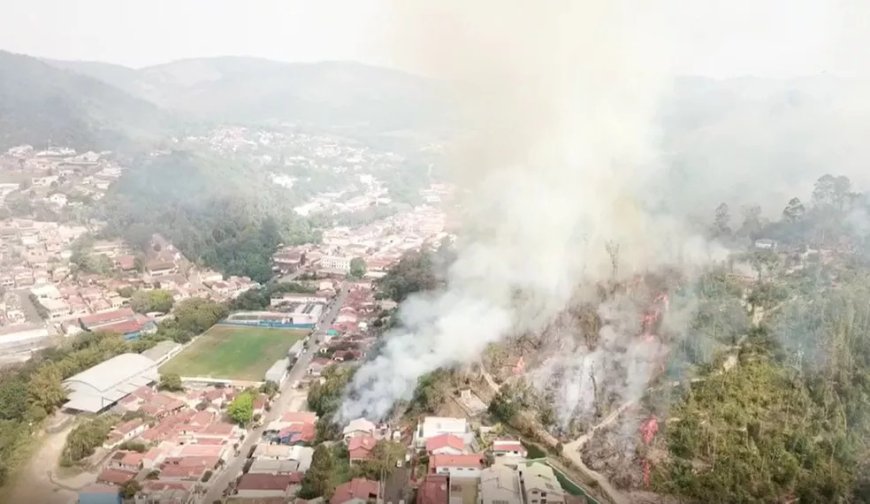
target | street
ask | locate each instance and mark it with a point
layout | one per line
(396, 487)
(235, 464)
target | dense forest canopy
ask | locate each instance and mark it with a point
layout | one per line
(792, 419)
(218, 212)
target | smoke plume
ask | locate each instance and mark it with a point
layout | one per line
(560, 101)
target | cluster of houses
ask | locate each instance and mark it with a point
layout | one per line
(278, 462)
(380, 244)
(173, 444)
(71, 303)
(350, 336)
(59, 179)
(458, 473)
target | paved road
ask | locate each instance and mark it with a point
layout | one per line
(396, 487)
(235, 465)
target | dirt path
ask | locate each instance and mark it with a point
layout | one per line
(571, 451)
(33, 484)
(488, 377)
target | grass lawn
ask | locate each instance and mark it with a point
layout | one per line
(233, 352)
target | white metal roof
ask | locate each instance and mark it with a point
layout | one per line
(102, 385)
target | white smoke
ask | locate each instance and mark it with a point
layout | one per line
(561, 99)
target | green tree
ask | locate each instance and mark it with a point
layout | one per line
(196, 315)
(429, 394)
(357, 267)
(85, 438)
(46, 388)
(241, 410)
(319, 480)
(171, 382)
(414, 272)
(130, 489)
(12, 389)
(156, 300)
(269, 388)
(385, 455)
(324, 396)
(503, 405)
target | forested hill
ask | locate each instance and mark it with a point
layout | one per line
(41, 104)
(347, 96)
(222, 213)
(788, 419)
(89, 105)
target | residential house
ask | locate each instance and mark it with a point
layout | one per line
(357, 490)
(166, 492)
(499, 484)
(115, 476)
(128, 461)
(125, 432)
(540, 485)
(125, 262)
(433, 490)
(190, 468)
(267, 485)
(359, 427)
(445, 444)
(156, 269)
(457, 466)
(301, 454)
(153, 458)
(508, 448)
(436, 426)
(271, 466)
(360, 448)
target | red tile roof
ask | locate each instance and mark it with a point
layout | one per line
(472, 460)
(123, 327)
(266, 481)
(444, 441)
(115, 476)
(507, 445)
(300, 416)
(106, 317)
(360, 447)
(433, 490)
(128, 427)
(358, 488)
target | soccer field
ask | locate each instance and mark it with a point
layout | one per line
(233, 352)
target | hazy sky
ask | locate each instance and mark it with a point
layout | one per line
(719, 38)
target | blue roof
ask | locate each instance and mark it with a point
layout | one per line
(99, 497)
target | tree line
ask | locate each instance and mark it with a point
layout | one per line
(791, 421)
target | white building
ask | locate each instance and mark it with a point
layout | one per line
(435, 426)
(101, 386)
(457, 466)
(335, 263)
(300, 454)
(278, 372)
(359, 427)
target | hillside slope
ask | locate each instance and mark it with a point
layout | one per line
(42, 104)
(333, 95)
